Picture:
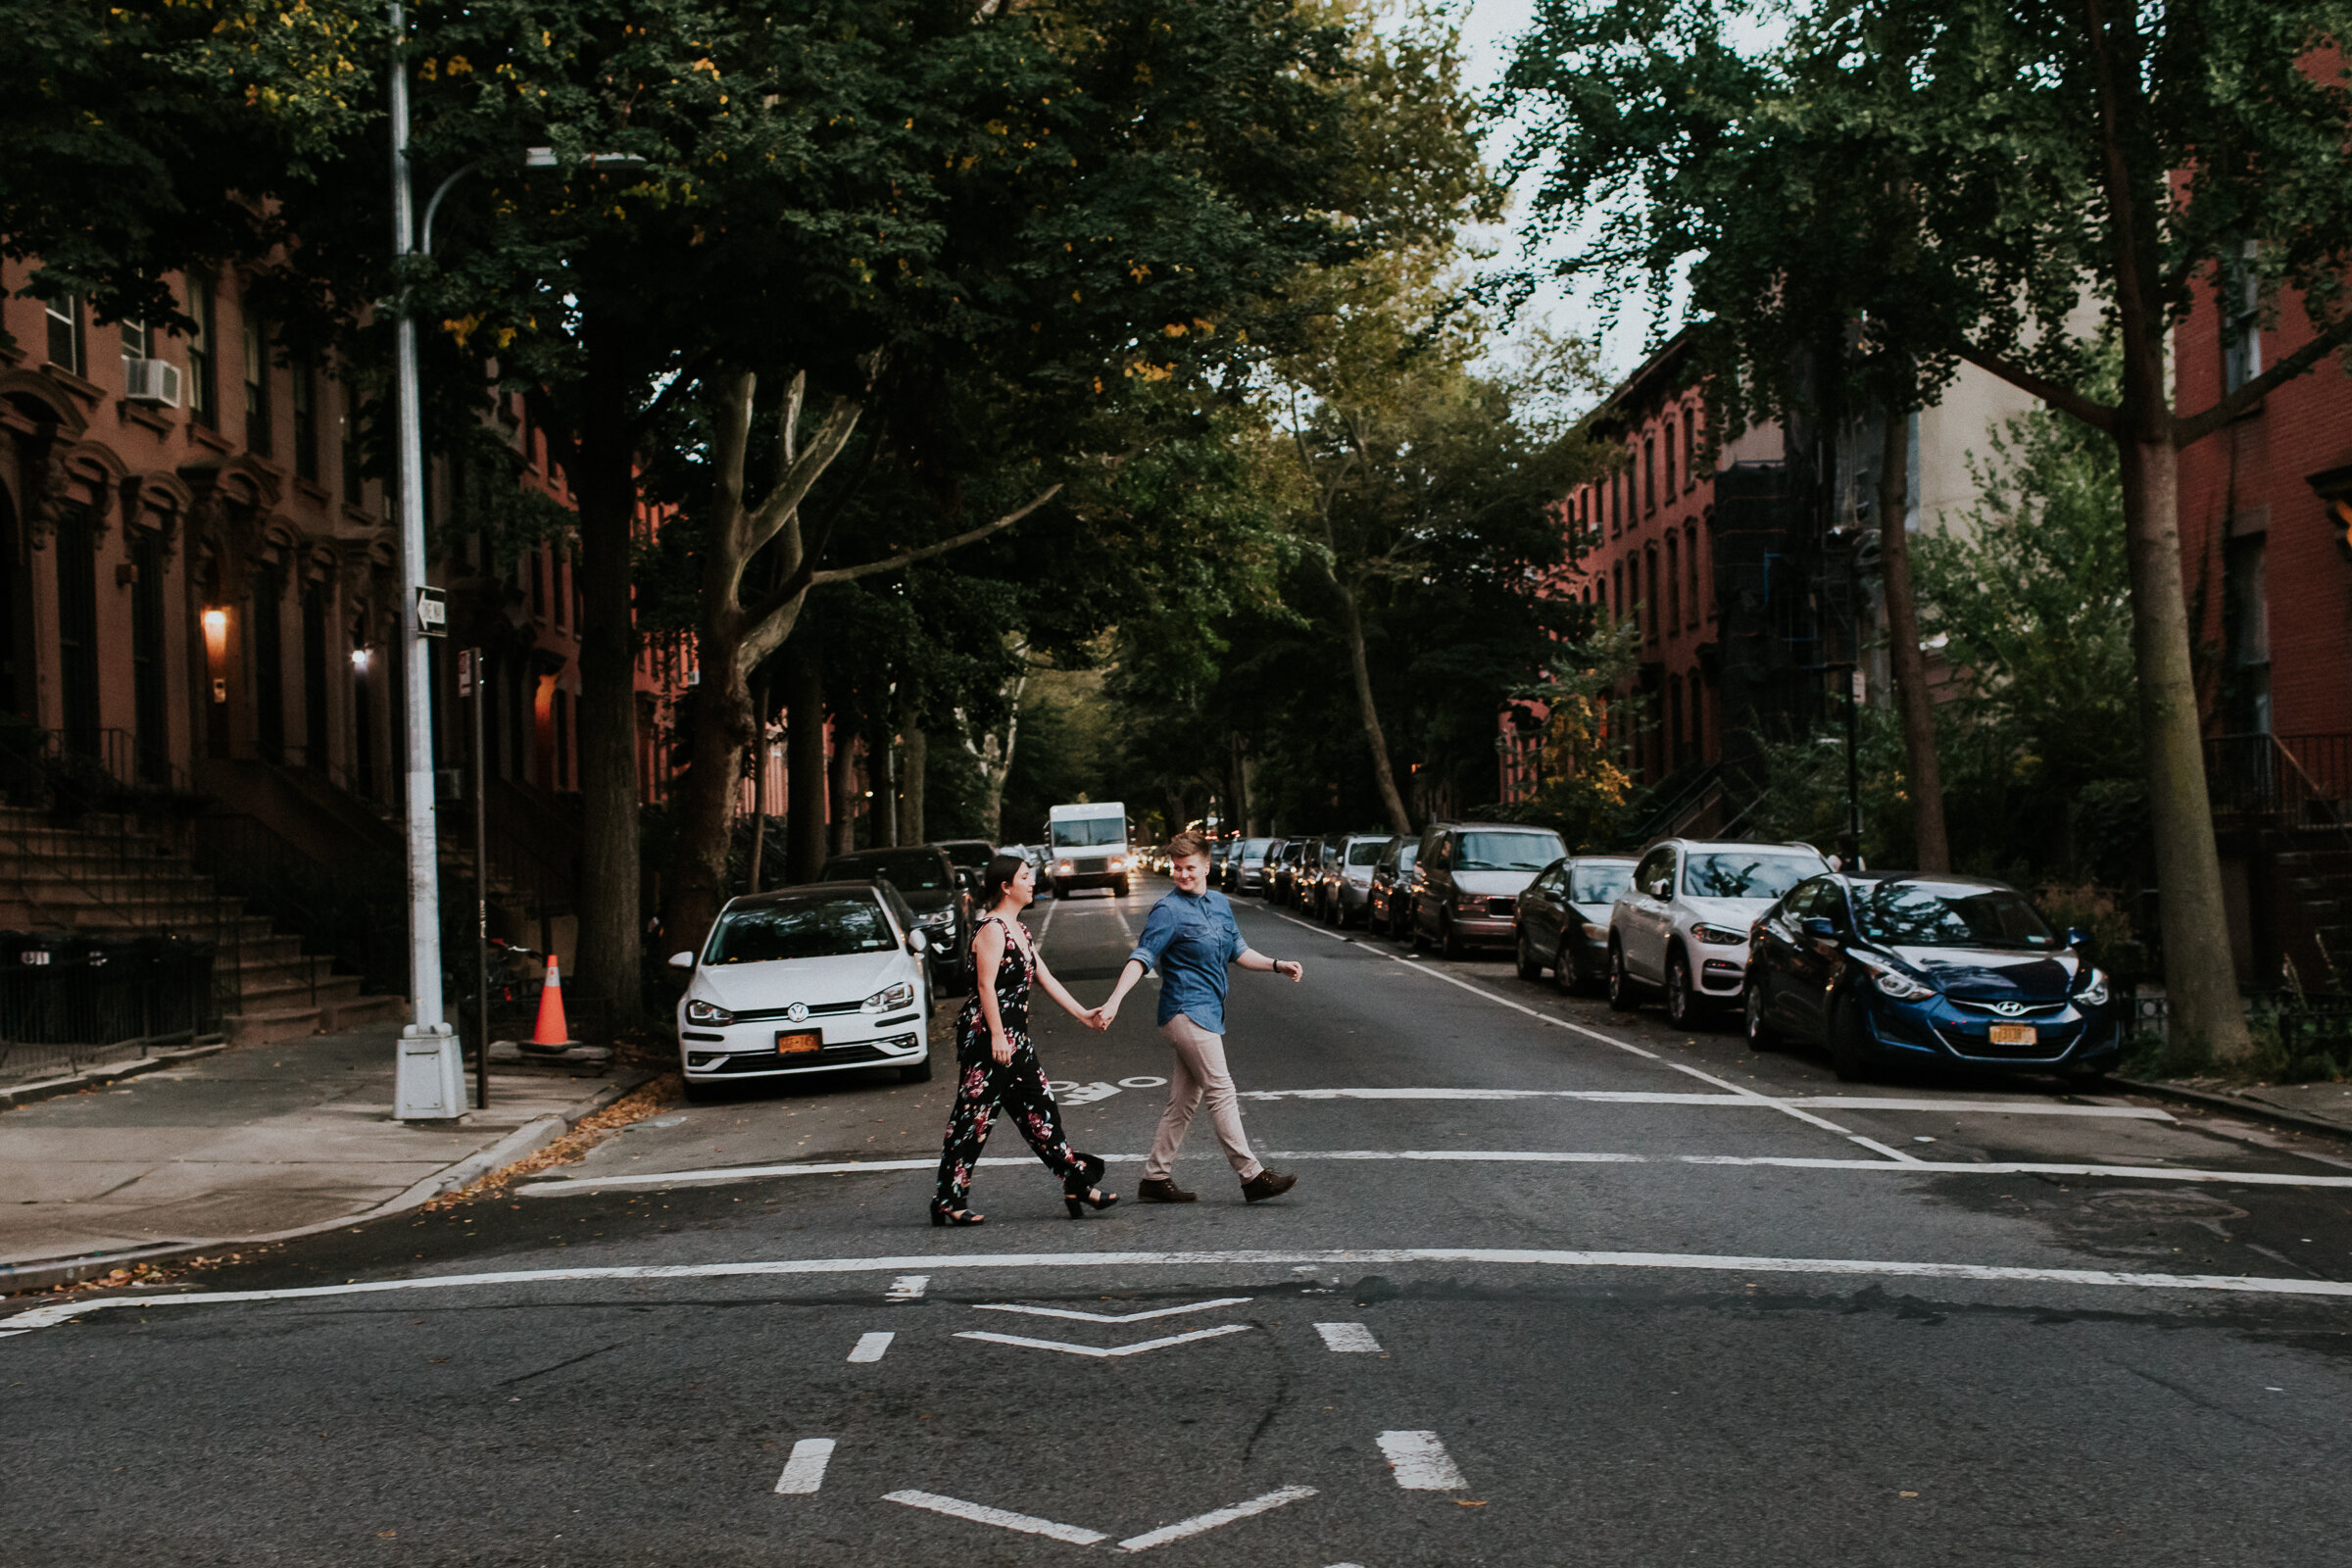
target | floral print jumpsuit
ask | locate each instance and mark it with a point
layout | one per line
(984, 1085)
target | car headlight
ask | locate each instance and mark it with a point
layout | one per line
(2094, 991)
(937, 917)
(1061, 865)
(1901, 987)
(1719, 936)
(901, 994)
(700, 1011)
(1117, 865)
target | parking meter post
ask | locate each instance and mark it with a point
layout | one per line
(481, 891)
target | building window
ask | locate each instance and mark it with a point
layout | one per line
(257, 385)
(204, 357)
(563, 706)
(306, 418)
(560, 571)
(2245, 587)
(1689, 449)
(137, 341)
(2241, 320)
(1670, 456)
(1616, 600)
(539, 569)
(64, 316)
(1690, 566)
(1650, 477)
(352, 494)
(1650, 622)
(1674, 585)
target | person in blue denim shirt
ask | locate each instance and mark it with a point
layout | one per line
(1192, 939)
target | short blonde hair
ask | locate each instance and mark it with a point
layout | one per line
(1187, 844)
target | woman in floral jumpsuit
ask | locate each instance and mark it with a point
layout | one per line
(996, 1067)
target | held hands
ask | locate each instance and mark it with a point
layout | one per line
(1100, 1018)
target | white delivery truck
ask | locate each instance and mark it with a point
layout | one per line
(1088, 843)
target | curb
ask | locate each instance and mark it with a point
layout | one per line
(2255, 1108)
(527, 1138)
(104, 1073)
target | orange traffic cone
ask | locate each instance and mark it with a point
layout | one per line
(552, 1032)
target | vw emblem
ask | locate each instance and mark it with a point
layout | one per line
(2009, 1009)
(798, 1012)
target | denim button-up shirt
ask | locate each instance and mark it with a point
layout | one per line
(1190, 939)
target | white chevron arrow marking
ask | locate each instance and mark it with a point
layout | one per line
(1099, 1353)
(1108, 1317)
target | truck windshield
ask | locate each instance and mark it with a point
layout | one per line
(1086, 832)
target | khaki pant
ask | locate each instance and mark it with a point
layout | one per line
(1199, 1072)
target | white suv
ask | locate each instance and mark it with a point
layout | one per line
(1681, 925)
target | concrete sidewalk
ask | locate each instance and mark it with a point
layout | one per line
(247, 1145)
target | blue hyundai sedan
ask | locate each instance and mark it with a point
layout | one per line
(1927, 969)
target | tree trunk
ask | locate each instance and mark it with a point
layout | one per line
(760, 713)
(706, 798)
(1912, 700)
(883, 748)
(843, 776)
(2200, 978)
(915, 755)
(804, 838)
(1400, 820)
(605, 482)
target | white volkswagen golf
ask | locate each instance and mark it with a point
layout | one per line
(819, 978)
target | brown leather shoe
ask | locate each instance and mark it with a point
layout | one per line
(1266, 1184)
(1151, 1191)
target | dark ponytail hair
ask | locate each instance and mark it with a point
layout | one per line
(997, 878)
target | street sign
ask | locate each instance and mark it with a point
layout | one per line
(1861, 687)
(432, 612)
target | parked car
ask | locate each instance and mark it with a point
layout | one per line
(970, 857)
(1468, 879)
(1226, 869)
(1907, 967)
(1562, 923)
(1388, 901)
(1249, 870)
(825, 977)
(1345, 891)
(1286, 875)
(926, 879)
(1680, 924)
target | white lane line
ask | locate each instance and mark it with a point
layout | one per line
(1106, 1317)
(907, 1287)
(1002, 1519)
(1309, 925)
(1349, 1339)
(1044, 927)
(1662, 1097)
(1098, 1353)
(1782, 1106)
(1912, 1166)
(1421, 1462)
(805, 1470)
(1203, 1522)
(870, 1346)
(41, 1317)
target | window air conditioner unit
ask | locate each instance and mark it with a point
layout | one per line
(154, 382)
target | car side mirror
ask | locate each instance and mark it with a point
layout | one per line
(918, 942)
(681, 960)
(2078, 936)
(1820, 927)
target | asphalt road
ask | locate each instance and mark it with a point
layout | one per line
(1556, 1286)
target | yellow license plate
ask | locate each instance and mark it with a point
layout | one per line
(2014, 1034)
(806, 1040)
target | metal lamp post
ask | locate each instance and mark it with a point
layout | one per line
(429, 1084)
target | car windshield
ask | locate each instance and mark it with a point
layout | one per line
(1506, 852)
(1365, 850)
(1928, 915)
(1256, 849)
(907, 870)
(1085, 832)
(1598, 884)
(801, 928)
(1407, 855)
(1743, 874)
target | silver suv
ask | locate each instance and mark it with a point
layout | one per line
(1681, 926)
